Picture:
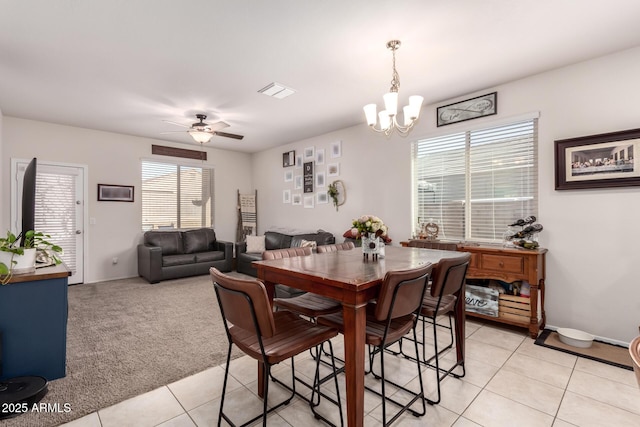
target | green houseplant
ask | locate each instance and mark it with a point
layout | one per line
(11, 252)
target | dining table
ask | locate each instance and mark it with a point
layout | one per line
(354, 280)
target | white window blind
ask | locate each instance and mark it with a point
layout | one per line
(473, 184)
(176, 196)
(55, 212)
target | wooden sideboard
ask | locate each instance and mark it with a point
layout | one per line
(511, 265)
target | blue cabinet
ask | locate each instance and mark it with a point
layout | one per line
(33, 322)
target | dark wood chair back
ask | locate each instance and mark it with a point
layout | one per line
(401, 292)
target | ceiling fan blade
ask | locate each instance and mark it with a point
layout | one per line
(176, 123)
(218, 125)
(229, 135)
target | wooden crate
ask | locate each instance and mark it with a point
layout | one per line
(514, 308)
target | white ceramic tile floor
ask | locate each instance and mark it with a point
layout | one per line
(510, 381)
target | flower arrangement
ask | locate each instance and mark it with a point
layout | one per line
(333, 193)
(368, 224)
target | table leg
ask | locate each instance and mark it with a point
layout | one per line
(354, 342)
(460, 316)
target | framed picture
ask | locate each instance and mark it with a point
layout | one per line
(115, 193)
(309, 153)
(320, 179)
(598, 161)
(288, 176)
(322, 198)
(320, 157)
(480, 106)
(336, 149)
(308, 177)
(286, 196)
(333, 169)
(288, 159)
(308, 201)
(296, 199)
(297, 183)
(299, 161)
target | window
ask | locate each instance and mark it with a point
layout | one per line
(176, 196)
(474, 184)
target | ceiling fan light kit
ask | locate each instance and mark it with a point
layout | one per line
(387, 118)
(202, 132)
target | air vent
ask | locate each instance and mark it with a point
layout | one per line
(276, 90)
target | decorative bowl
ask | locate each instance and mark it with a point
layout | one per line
(575, 338)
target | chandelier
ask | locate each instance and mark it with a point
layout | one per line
(387, 118)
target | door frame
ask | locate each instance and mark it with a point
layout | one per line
(16, 207)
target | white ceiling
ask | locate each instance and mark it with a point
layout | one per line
(125, 66)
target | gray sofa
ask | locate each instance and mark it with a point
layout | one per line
(277, 240)
(173, 254)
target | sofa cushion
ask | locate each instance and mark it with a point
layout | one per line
(181, 259)
(169, 241)
(255, 244)
(201, 240)
(209, 256)
(275, 240)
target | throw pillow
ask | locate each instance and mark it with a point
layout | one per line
(255, 244)
(311, 243)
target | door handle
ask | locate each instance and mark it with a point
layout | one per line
(78, 232)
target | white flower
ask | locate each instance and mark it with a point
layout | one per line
(354, 231)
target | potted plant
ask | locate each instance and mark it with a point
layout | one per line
(22, 259)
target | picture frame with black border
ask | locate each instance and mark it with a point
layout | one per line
(115, 193)
(597, 161)
(469, 109)
(288, 159)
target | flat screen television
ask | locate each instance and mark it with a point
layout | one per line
(28, 198)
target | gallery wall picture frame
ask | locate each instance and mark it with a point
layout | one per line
(115, 193)
(309, 153)
(333, 169)
(321, 181)
(336, 149)
(289, 159)
(297, 183)
(480, 106)
(286, 196)
(308, 177)
(299, 161)
(597, 161)
(308, 202)
(296, 199)
(288, 176)
(322, 198)
(320, 157)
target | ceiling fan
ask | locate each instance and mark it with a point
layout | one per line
(203, 132)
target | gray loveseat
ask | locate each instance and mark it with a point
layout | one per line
(173, 254)
(277, 240)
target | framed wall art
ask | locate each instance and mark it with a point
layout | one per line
(598, 161)
(288, 159)
(480, 106)
(115, 193)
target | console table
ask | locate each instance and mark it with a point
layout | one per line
(510, 265)
(33, 324)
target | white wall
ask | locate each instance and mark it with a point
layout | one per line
(115, 159)
(591, 235)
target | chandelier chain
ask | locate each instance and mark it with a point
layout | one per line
(395, 78)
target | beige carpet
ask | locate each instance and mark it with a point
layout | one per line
(599, 351)
(127, 337)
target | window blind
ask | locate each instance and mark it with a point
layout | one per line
(176, 196)
(474, 183)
